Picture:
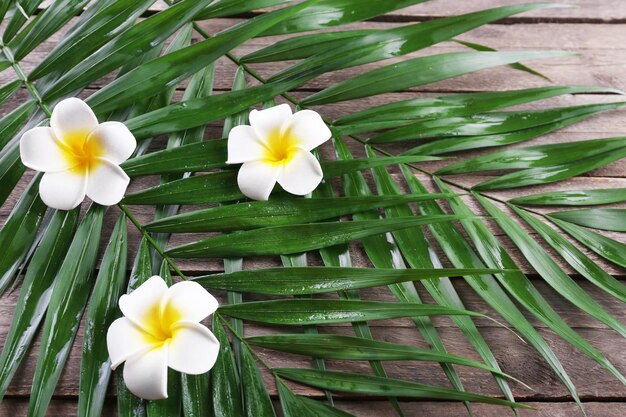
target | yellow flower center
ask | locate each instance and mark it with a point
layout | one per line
(280, 147)
(81, 155)
(161, 323)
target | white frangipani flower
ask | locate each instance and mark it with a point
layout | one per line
(160, 329)
(277, 148)
(79, 156)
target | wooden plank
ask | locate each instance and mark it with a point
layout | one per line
(515, 357)
(371, 408)
(599, 60)
(196, 266)
(581, 10)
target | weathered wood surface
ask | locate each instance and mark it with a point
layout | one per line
(579, 10)
(593, 30)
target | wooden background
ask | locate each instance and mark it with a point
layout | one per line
(596, 31)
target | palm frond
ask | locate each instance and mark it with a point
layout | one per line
(403, 237)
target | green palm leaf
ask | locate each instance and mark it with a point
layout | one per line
(35, 293)
(67, 304)
(371, 385)
(153, 68)
(310, 311)
(95, 369)
(313, 280)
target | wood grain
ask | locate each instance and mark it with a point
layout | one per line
(514, 356)
(593, 29)
(580, 10)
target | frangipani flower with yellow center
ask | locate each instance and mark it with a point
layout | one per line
(160, 329)
(277, 148)
(79, 156)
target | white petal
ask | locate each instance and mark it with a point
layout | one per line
(63, 190)
(72, 115)
(114, 140)
(269, 121)
(140, 305)
(40, 150)
(256, 179)
(244, 145)
(124, 340)
(107, 183)
(145, 374)
(190, 301)
(307, 129)
(302, 174)
(193, 349)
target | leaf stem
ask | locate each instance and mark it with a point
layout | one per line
(242, 340)
(22, 76)
(151, 240)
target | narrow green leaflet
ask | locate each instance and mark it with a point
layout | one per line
(280, 240)
(518, 285)
(537, 156)
(27, 8)
(128, 405)
(303, 46)
(35, 293)
(95, 368)
(420, 71)
(53, 18)
(148, 79)
(11, 169)
(398, 41)
(198, 112)
(461, 254)
(221, 8)
(225, 386)
(138, 39)
(94, 32)
(517, 66)
(331, 346)
(195, 395)
(573, 198)
(217, 187)
(545, 175)
(67, 303)
(258, 214)
(373, 385)
(297, 406)
(575, 257)
(199, 156)
(301, 311)
(236, 264)
(456, 105)
(211, 154)
(11, 123)
(7, 90)
(339, 256)
(603, 219)
(4, 8)
(604, 246)
(548, 269)
(318, 280)
(172, 405)
(256, 398)
(383, 252)
(347, 166)
(329, 13)
(419, 254)
(19, 231)
(462, 143)
(489, 123)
